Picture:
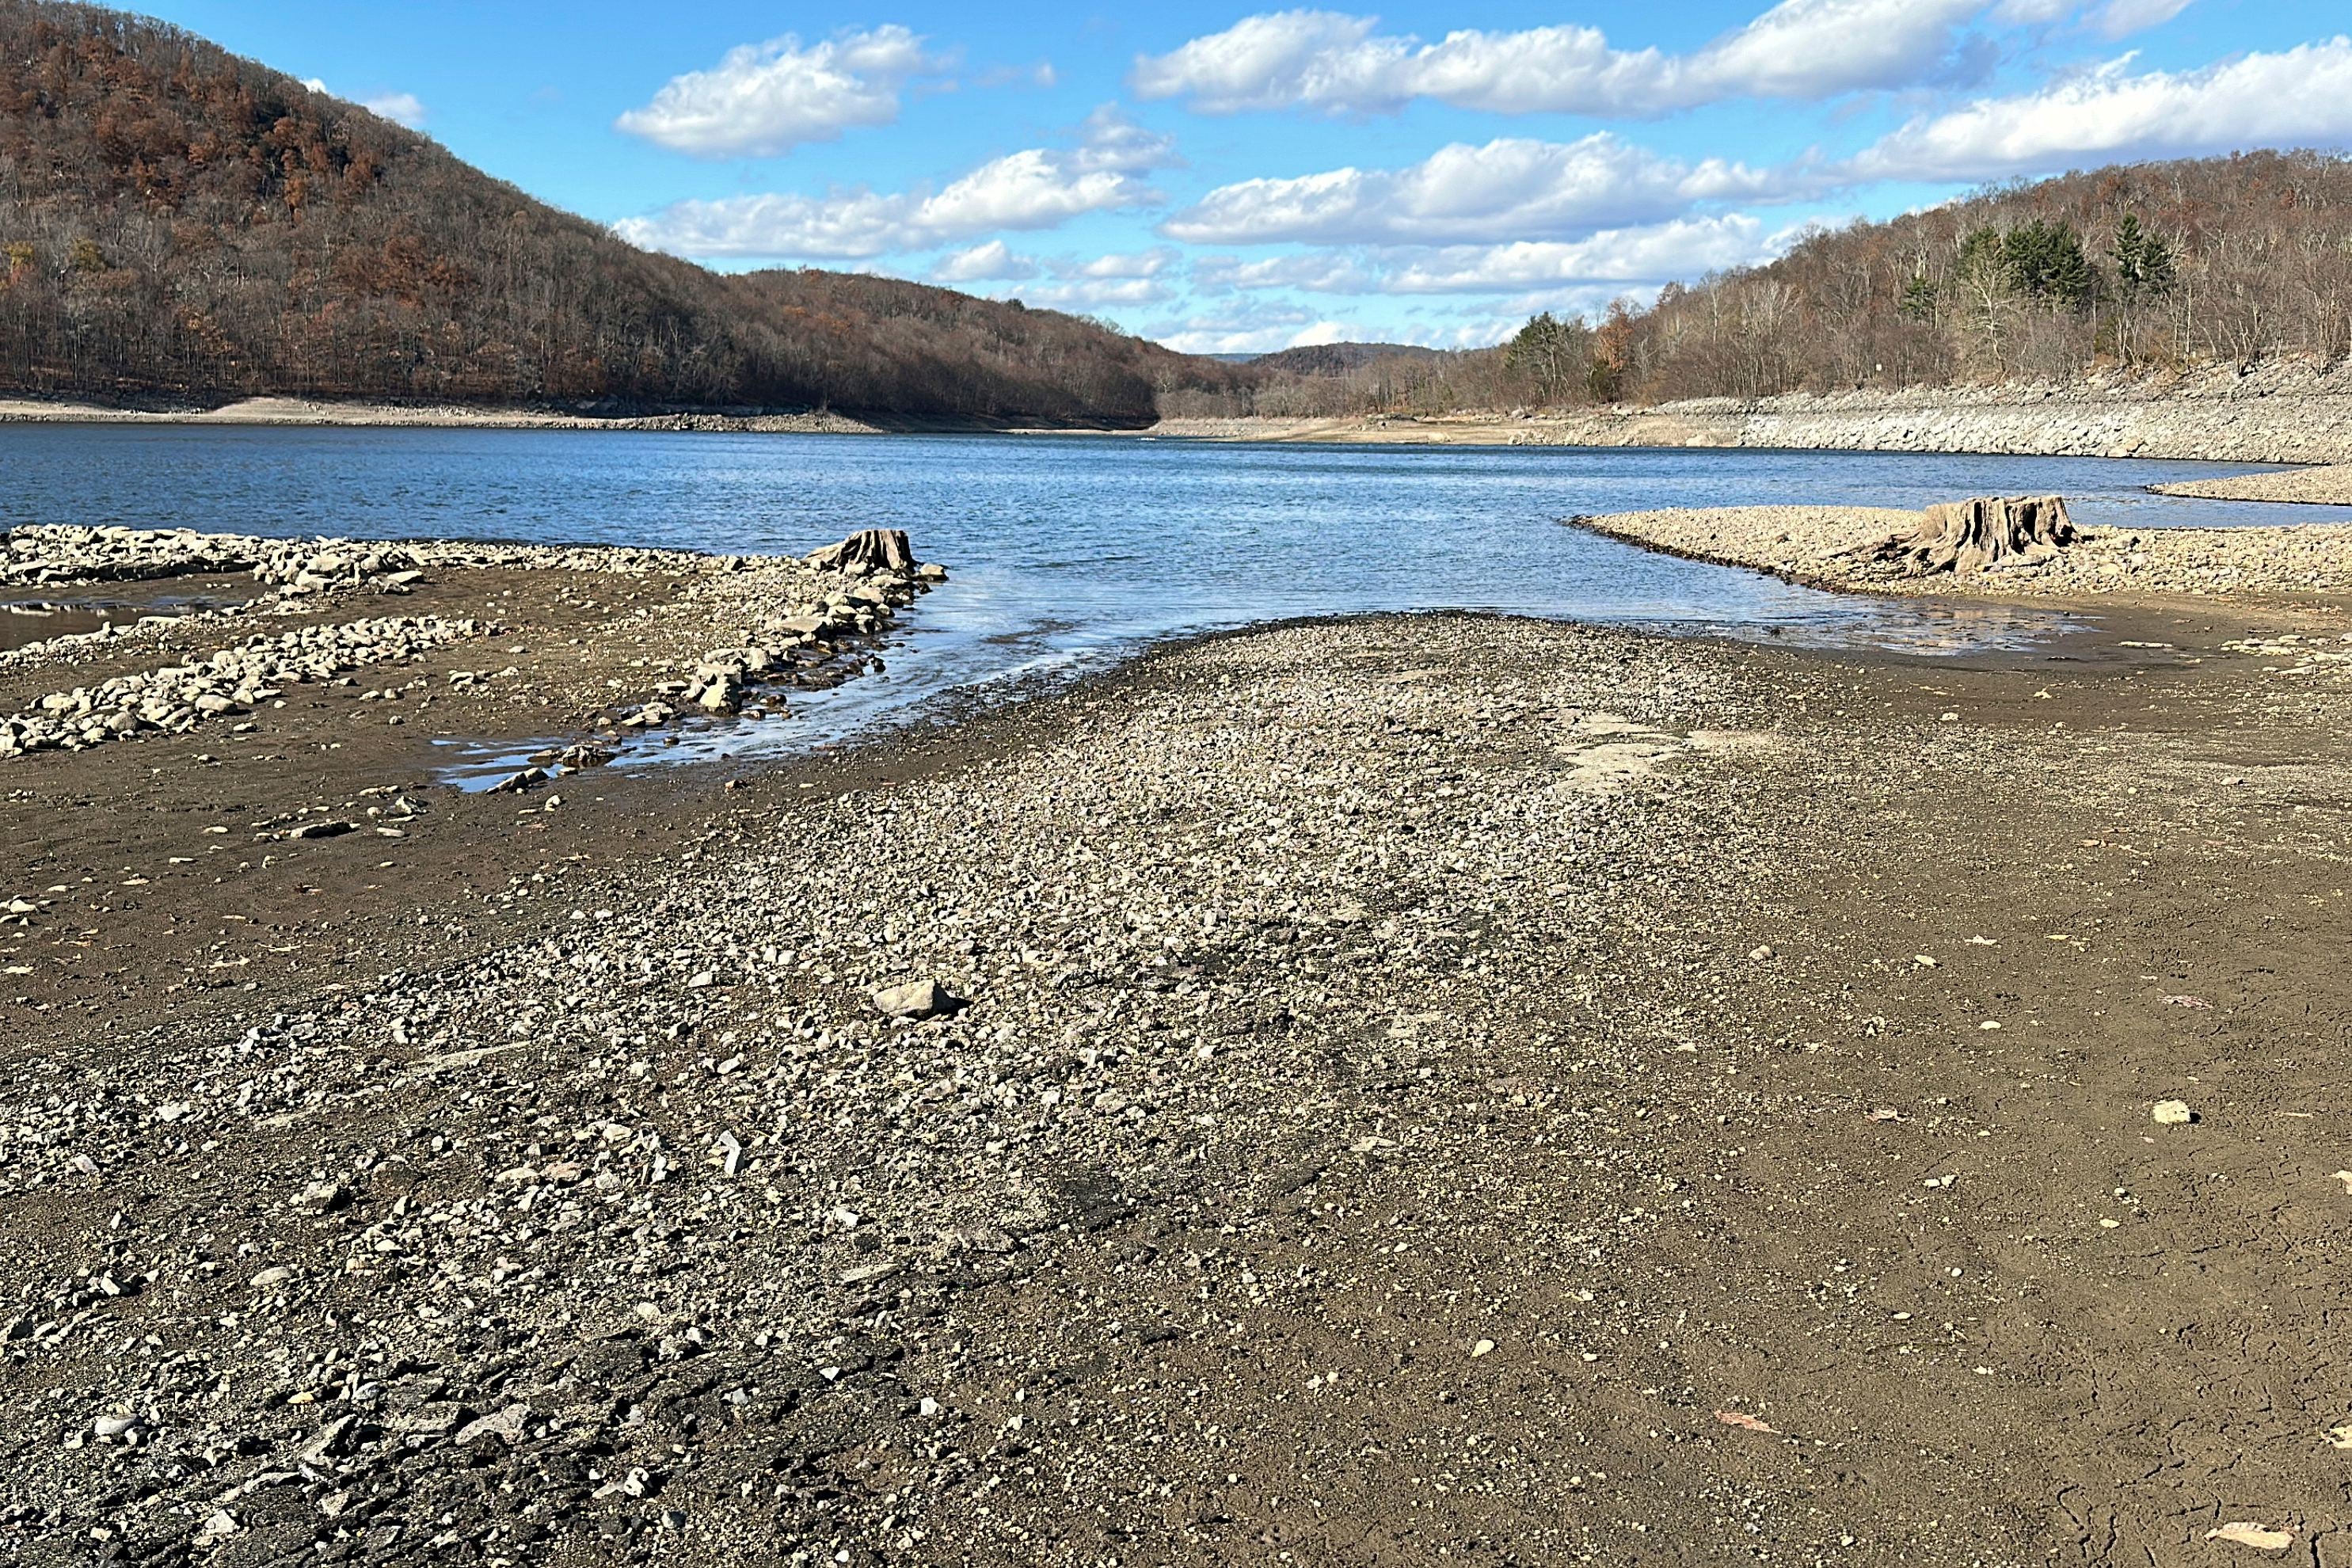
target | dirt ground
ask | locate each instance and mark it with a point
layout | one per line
(1718, 1126)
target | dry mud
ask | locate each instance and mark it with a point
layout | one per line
(1424, 1088)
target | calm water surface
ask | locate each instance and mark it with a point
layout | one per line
(1070, 551)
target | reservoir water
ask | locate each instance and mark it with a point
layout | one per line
(1068, 551)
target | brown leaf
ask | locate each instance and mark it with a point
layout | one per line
(1744, 1421)
(2246, 1532)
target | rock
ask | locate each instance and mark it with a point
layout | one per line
(915, 999)
(271, 1278)
(323, 1198)
(2174, 1113)
(507, 1424)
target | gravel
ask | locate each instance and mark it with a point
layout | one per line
(1822, 546)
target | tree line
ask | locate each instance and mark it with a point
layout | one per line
(2142, 269)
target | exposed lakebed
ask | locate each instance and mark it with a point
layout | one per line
(1069, 553)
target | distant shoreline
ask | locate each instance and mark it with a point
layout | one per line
(2279, 415)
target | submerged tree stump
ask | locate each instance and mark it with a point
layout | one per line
(1987, 533)
(868, 549)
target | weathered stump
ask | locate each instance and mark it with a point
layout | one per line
(1986, 533)
(868, 549)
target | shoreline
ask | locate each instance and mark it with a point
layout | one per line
(1553, 1034)
(2277, 412)
(2306, 567)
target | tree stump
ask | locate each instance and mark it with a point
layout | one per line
(868, 549)
(1986, 533)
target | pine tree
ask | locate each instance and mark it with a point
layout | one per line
(2046, 260)
(2143, 261)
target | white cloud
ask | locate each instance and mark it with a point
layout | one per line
(2300, 96)
(1093, 293)
(766, 98)
(1128, 264)
(994, 260)
(1684, 249)
(1507, 189)
(1339, 64)
(1034, 188)
(400, 107)
(1313, 271)
(2120, 18)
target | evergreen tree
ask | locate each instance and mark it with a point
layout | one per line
(2143, 261)
(1919, 298)
(2046, 260)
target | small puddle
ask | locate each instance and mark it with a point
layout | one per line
(21, 626)
(23, 622)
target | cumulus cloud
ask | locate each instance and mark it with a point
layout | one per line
(1097, 293)
(1313, 271)
(1119, 278)
(762, 99)
(1686, 248)
(1252, 328)
(984, 263)
(1034, 188)
(2299, 96)
(1507, 189)
(1335, 63)
(400, 107)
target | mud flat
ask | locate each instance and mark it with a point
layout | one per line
(1347, 1090)
(1830, 547)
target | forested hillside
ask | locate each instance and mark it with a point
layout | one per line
(176, 222)
(2227, 260)
(2140, 268)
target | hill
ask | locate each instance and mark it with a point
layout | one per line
(2149, 266)
(1337, 359)
(177, 223)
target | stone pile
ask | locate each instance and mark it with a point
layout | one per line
(176, 697)
(832, 600)
(55, 554)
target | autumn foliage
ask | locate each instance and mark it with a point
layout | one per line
(177, 223)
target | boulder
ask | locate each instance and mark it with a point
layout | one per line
(915, 999)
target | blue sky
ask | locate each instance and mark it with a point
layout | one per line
(1236, 179)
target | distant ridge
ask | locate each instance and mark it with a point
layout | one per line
(1337, 359)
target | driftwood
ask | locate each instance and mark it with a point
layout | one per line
(1987, 533)
(868, 549)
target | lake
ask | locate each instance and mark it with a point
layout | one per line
(1069, 551)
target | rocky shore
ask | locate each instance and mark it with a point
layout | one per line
(296, 411)
(2280, 412)
(1831, 547)
(2323, 487)
(1411, 1089)
(789, 622)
